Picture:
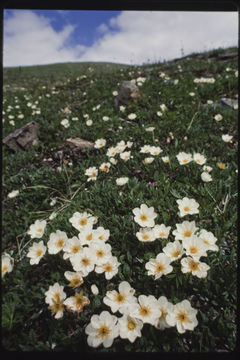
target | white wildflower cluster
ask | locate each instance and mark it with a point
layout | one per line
(185, 158)
(189, 241)
(204, 80)
(135, 312)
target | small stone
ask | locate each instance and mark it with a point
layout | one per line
(23, 138)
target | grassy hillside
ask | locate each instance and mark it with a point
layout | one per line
(174, 113)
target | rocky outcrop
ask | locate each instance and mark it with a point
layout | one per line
(23, 138)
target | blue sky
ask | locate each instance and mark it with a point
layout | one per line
(34, 37)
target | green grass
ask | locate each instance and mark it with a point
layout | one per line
(27, 323)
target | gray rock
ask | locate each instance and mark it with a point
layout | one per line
(23, 138)
(232, 103)
(127, 92)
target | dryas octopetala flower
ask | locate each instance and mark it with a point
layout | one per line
(206, 177)
(72, 247)
(7, 264)
(101, 250)
(199, 158)
(207, 168)
(185, 230)
(209, 239)
(83, 261)
(174, 250)
(94, 289)
(161, 231)
(148, 160)
(102, 329)
(227, 138)
(87, 235)
(165, 159)
(218, 117)
(81, 220)
(159, 266)
(92, 173)
(132, 116)
(145, 149)
(187, 206)
(36, 230)
(184, 158)
(146, 234)
(122, 299)
(155, 150)
(13, 193)
(36, 252)
(104, 167)
(165, 307)
(197, 268)
(99, 143)
(110, 268)
(183, 316)
(130, 327)
(102, 234)
(77, 302)
(54, 297)
(194, 247)
(125, 155)
(122, 181)
(146, 310)
(144, 216)
(56, 242)
(75, 278)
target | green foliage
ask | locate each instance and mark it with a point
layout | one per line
(41, 175)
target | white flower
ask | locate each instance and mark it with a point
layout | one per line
(165, 307)
(184, 158)
(37, 229)
(102, 234)
(13, 193)
(147, 309)
(144, 216)
(197, 268)
(94, 289)
(77, 302)
(125, 155)
(102, 329)
(87, 235)
(54, 297)
(122, 108)
(129, 144)
(113, 161)
(148, 160)
(121, 300)
(56, 242)
(75, 278)
(65, 123)
(150, 128)
(159, 113)
(115, 93)
(111, 152)
(104, 167)
(36, 252)
(92, 173)
(72, 246)
(161, 231)
(105, 118)
(183, 316)
(132, 116)
(206, 177)
(145, 149)
(75, 118)
(155, 150)
(209, 239)
(89, 122)
(194, 247)
(174, 250)
(159, 266)
(165, 159)
(130, 328)
(185, 230)
(207, 168)
(199, 159)
(122, 181)
(99, 143)
(187, 206)
(81, 220)
(218, 117)
(192, 94)
(53, 202)
(83, 261)
(227, 138)
(7, 264)
(110, 268)
(163, 107)
(101, 250)
(146, 235)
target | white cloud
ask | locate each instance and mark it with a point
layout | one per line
(131, 37)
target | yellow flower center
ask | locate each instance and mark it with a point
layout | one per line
(187, 233)
(79, 301)
(164, 313)
(143, 217)
(175, 253)
(60, 243)
(56, 306)
(108, 267)
(193, 249)
(162, 234)
(160, 268)
(193, 265)
(75, 282)
(186, 208)
(100, 253)
(198, 160)
(4, 269)
(120, 298)
(83, 222)
(89, 237)
(185, 160)
(100, 237)
(75, 249)
(131, 325)
(93, 175)
(85, 261)
(56, 296)
(103, 331)
(205, 241)
(144, 311)
(145, 236)
(39, 252)
(182, 316)
(166, 161)
(39, 230)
